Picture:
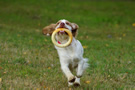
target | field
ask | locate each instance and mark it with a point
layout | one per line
(28, 59)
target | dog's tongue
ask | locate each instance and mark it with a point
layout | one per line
(59, 42)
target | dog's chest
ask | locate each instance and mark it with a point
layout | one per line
(70, 53)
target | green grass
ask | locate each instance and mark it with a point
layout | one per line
(28, 59)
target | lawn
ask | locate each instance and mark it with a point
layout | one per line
(28, 59)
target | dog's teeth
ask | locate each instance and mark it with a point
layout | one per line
(61, 31)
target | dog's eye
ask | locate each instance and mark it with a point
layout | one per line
(67, 23)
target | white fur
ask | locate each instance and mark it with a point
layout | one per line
(71, 56)
(48, 34)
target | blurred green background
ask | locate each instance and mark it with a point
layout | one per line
(28, 59)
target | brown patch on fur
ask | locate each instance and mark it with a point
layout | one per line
(49, 29)
(74, 29)
(68, 23)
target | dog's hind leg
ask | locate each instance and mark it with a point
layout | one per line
(82, 65)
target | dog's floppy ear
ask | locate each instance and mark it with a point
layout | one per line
(74, 29)
(48, 30)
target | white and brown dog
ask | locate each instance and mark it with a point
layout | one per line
(71, 56)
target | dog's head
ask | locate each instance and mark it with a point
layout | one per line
(48, 30)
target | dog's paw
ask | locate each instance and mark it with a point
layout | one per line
(76, 84)
(71, 79)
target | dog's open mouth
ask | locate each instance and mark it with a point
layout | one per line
(62, 37)
(62, 32)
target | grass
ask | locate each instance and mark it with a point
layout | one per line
(28, 59)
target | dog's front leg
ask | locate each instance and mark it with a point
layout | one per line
(67, 72)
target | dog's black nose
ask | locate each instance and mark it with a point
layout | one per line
(62, 24)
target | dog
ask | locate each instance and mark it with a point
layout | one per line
(71, 57)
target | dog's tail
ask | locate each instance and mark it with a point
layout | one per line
(86, 65)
